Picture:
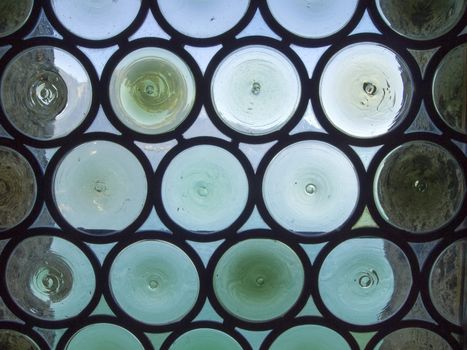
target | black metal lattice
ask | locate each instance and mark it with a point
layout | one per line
(249, 224)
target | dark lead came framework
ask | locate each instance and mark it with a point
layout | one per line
(257, 174)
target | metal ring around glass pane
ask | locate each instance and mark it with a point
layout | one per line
(255, 174)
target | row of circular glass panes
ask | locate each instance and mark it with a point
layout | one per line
(102, 186)
(169, 283)
(411, 42)
(302, 332)
(307, 23)
(41, 82)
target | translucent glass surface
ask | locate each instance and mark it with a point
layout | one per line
(103, 336)
(450, 89)
(310, 337)
(154, 282)
(13, 15)
(365, 90)
(46, 92)
(413, 339)
(18, 188)
(206, 156)
(205, 339)
(152, 90)
(100, 185)
(255, 90)
(13, 340)
(317, 192)
(204, 188)
(203, 18)
(419, 187)
(365, 280)
(55, 282)
(447, 282)
(96, 20)
(421, 19)
(258, 280)
(312, 19)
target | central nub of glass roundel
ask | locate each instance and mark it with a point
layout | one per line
(150, 91)
(48, 94)
(310, 189)
(50, 282)
(54, 281)
(367, 279)
(100, 186)
(202, 190)
(369, 88)
(256, 88)
(260, 281)
(153, 283)
(420, 185)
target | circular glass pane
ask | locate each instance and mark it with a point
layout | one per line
(152, 90)
(258, 280)
(18, 188)
(301, 337)
(447, 282)
(365, 281)
(203, 19)
(365, 90)
(13, 340)
(205, 339)
(13, 15)
(46, 92)
(154, 282)
(255, 90)
(421, 19)
(450, 89)
(204, 188)
(96, 20)
(100, 186)
(317, 193)
(50, 278)
(312, 19)
(103, 336)
(419, 187)
(413, 339)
